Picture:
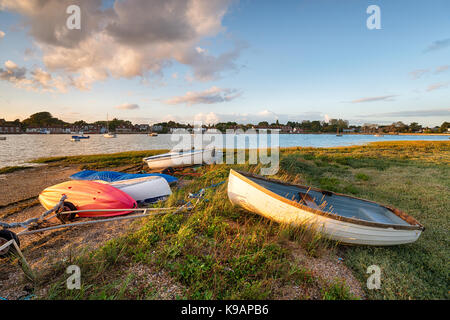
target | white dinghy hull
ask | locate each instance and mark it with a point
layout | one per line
(183, 159)
(143, 190)
(245, 192)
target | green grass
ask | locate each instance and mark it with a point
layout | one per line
(5, 170)
(102, 160)
(413, 177)
(218, 251)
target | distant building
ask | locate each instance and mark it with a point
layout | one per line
(123, 129)
(286, 129)
(348, 130)
(178, 130)
(157, 128)
(142, 127)
(9, 127)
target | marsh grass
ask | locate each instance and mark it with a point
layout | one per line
(6, 170)
(217, 251)
(412, 176)
(102, 160)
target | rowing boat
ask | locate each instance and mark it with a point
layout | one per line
(143, 190)
(340, 217)
(86, 195)
(113, 176)
(183, 158)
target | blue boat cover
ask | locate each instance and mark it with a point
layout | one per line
(111, 176)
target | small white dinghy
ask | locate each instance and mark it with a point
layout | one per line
(183, 158)
(143, 190)
(340, 217)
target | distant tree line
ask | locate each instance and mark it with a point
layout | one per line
(45, 119)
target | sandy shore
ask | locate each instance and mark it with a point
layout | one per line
(18, 202)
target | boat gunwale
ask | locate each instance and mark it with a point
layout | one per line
(413, 223)
(174, 155)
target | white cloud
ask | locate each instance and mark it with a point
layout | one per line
(210, 96)
(436, 86)
(127, 106)
(372, 99)
(438, 45)
(136, 38)
(10, 65)
(207, 118)
(38, 79)
(416, 74)
(411, 113)
(442, 68)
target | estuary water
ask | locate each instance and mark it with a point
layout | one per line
(19, 149)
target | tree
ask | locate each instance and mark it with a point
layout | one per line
(444, 127)
(42, 119)
(263, 124)
(316, 126)
(415, 127)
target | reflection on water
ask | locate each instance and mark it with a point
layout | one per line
(18, 149)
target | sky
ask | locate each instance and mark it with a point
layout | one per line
(247, 61)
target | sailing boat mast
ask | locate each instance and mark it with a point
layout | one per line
(108, 134)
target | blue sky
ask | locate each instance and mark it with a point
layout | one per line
(259, 60)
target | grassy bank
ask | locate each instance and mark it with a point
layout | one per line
(97, 161)
(217, 251)
(6, 170)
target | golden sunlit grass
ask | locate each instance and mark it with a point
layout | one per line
(217, 251)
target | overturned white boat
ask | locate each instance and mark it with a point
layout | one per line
(183, 158)
(340, 217)
(143, 190)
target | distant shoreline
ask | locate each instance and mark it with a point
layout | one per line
(299, 133)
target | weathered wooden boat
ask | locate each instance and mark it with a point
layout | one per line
(143, 190)
(86, 195)
(340, 217)
(182, 158)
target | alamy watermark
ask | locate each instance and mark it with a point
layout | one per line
(374, 20)
(374, 280)
(234, 147)
(74, 280)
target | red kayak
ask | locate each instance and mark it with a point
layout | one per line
(85, 195)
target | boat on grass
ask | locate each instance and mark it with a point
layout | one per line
(143, 190)
(113, 176)
(183, 158)
(86, 195)
(340, 217)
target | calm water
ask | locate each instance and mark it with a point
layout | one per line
(18, 149)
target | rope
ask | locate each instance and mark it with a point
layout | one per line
(28, 297)
(188, 205)
(33, 220)
(202, 191)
